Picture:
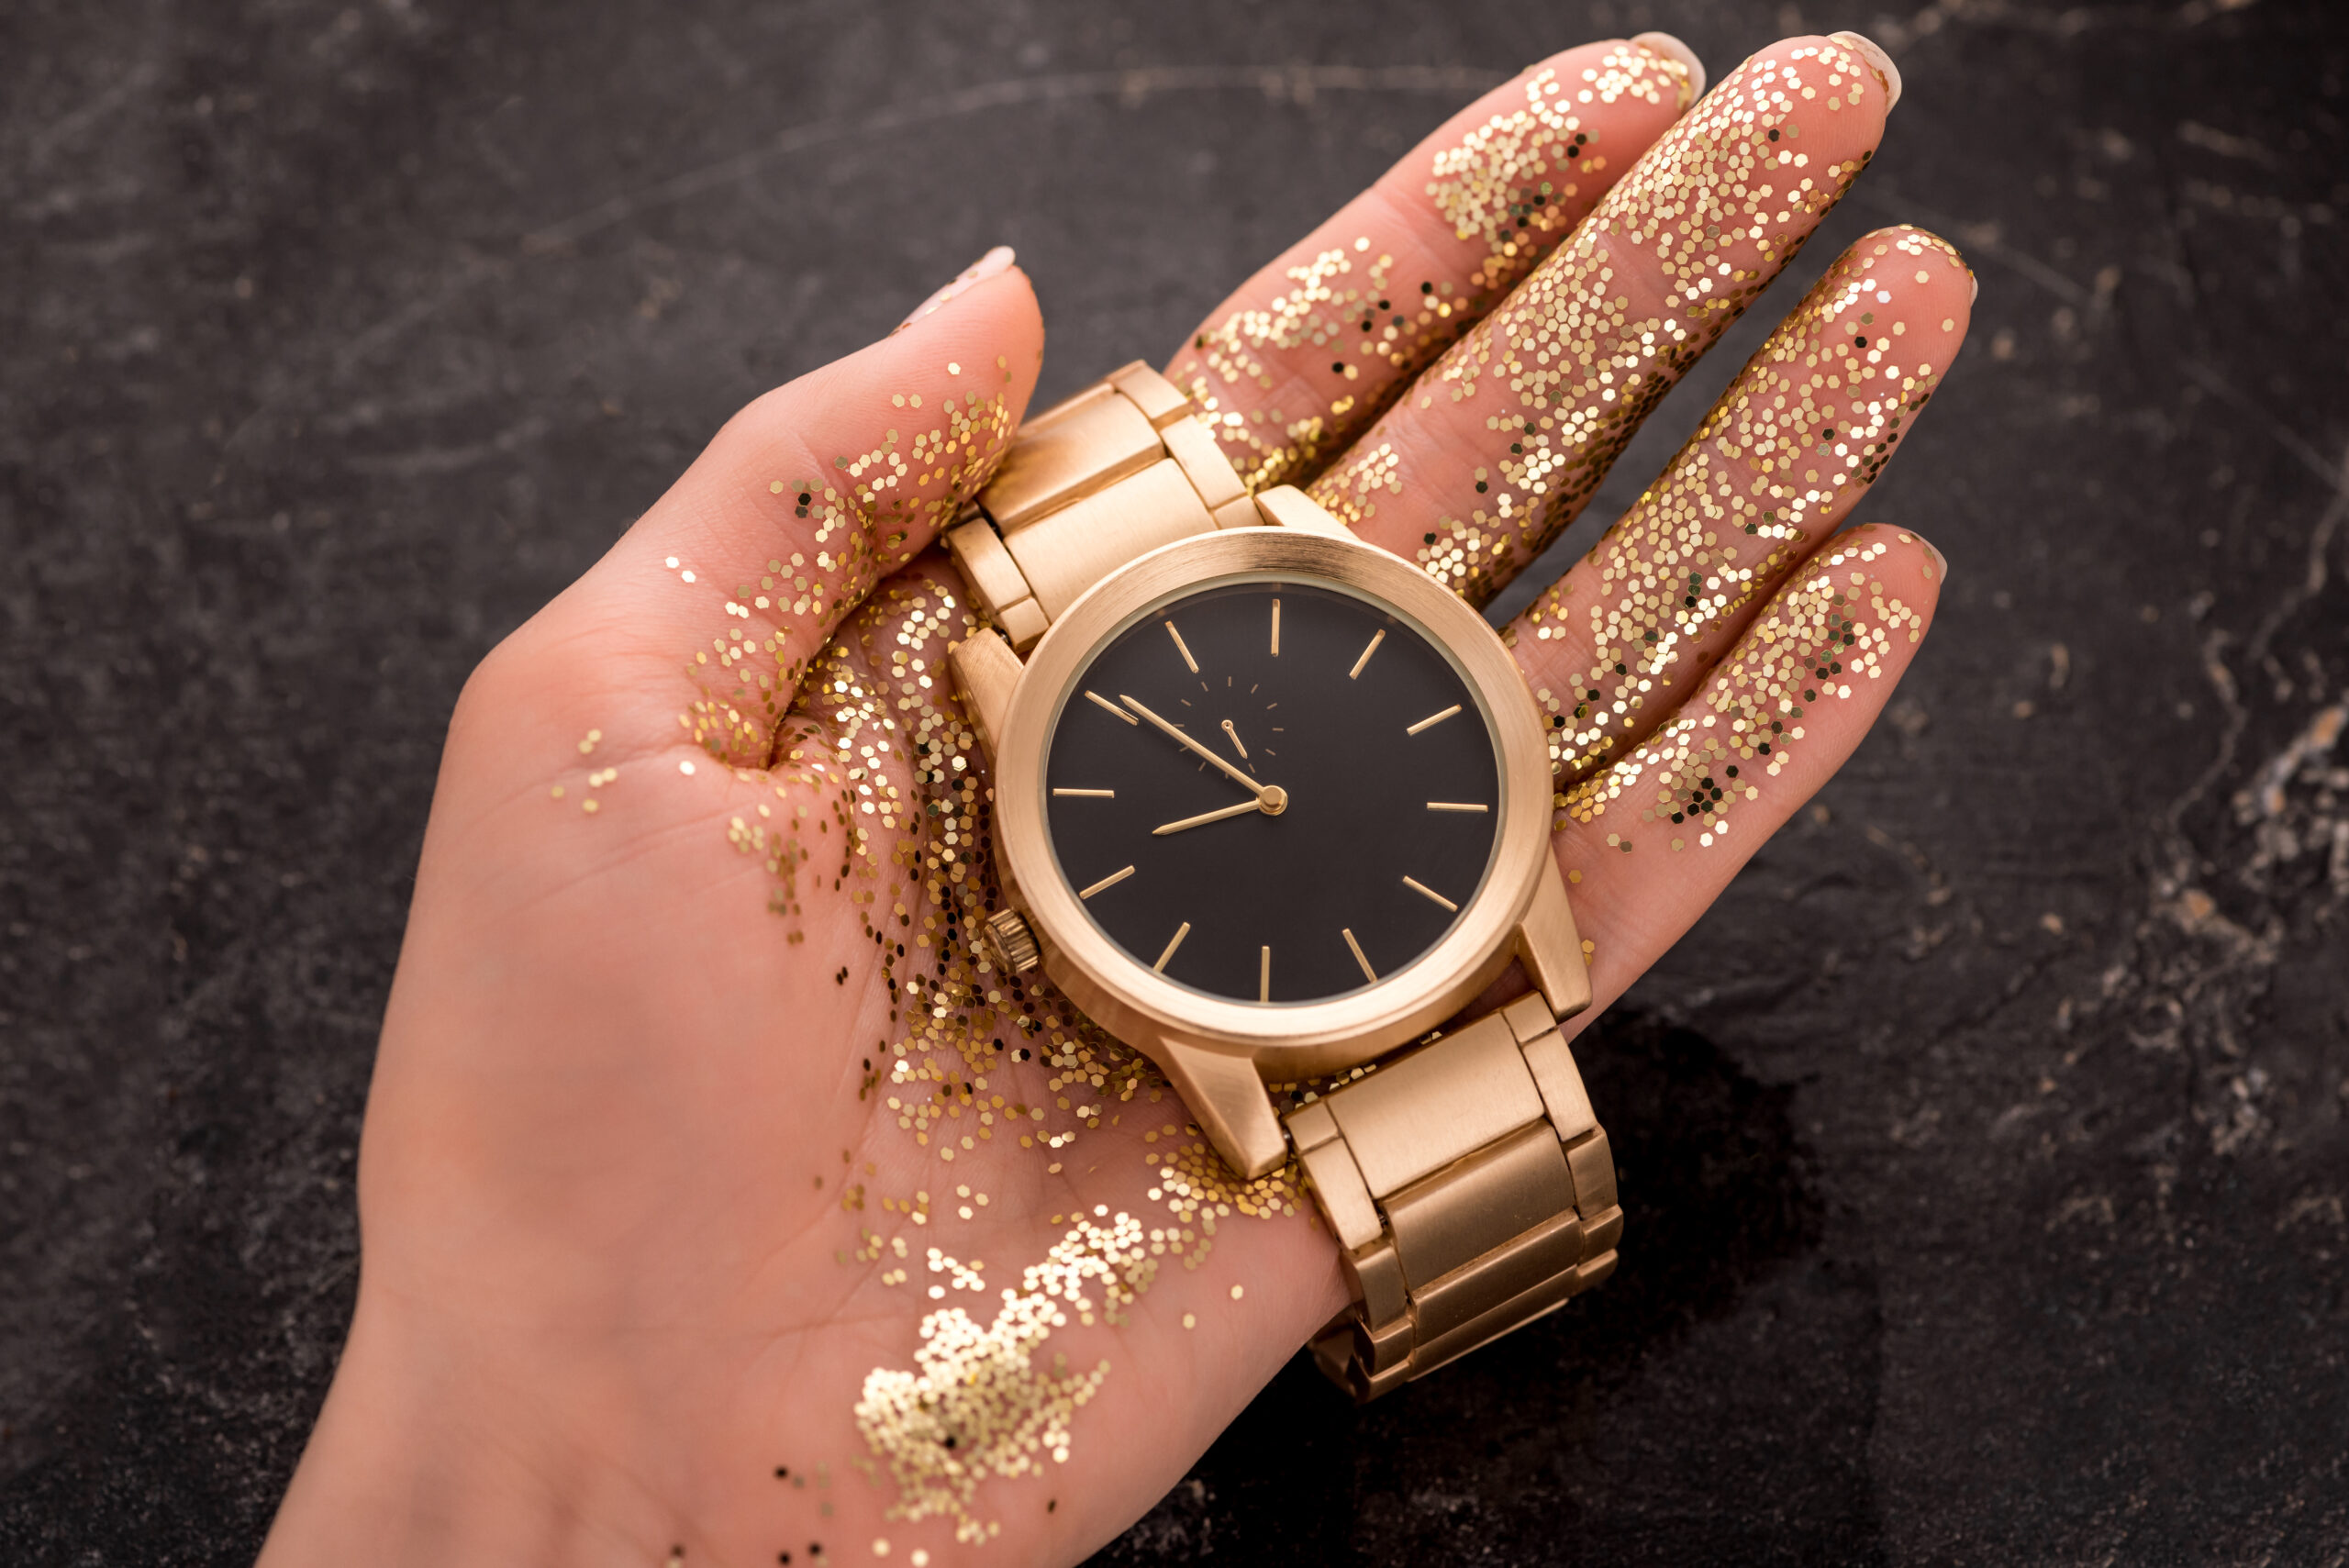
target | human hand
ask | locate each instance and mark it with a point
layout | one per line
(691, 1061)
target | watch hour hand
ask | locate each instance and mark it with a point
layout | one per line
(1271, 803)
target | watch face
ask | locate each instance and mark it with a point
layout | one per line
(1273, 792)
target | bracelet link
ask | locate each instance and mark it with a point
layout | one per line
(1067, 453)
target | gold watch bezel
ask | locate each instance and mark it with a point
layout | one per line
(1304, 1040)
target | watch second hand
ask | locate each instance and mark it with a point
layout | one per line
(1184, 740)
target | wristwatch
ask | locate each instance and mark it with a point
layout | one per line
(1272, 805)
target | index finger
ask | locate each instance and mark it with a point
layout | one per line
(1307, 353)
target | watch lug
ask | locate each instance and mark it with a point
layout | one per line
(1551, 947)
(986, 669)
(1231, 1104)
(1286, 506)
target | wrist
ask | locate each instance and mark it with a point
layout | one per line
(429, 1450)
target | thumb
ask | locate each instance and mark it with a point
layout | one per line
(698, 624)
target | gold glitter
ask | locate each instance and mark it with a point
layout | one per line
(1556, 379)
(1281, 385)
(1774, 467)
(1836, 627)
(882, 504)
(1509, 183)
(978, 1406)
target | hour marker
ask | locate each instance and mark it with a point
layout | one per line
(1115, 877)
(1112, 794)
(1432, 805)
(1276, 631)
(1412, 882)
(1172, 943)
(1181, 649)
(1376, 638)
(1097, 698)
(1263, 974)
(1355, 948)
(1234, 734)
(1430, 722)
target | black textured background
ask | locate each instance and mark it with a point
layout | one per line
(1985, 1147)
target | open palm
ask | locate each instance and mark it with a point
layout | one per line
(716, 1196)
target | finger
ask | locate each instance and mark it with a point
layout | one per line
(1498, 445)
(737, 576)
(1650, 841)
(1769, 476)
(1306, 353)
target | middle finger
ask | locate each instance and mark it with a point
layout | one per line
(1498, 445)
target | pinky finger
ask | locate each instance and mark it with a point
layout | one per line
(1652, 840)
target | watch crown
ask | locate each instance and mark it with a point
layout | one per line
(1011, 941)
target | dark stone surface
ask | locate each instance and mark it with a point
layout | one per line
(1985, 1145)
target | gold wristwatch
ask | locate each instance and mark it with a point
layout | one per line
(1270, 805)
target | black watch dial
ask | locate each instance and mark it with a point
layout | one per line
(1273, 791)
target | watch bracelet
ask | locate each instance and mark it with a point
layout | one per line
(1469, 1186)
(1087, 486)
(1471, 1191)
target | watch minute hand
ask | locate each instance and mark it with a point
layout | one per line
(1185, 741)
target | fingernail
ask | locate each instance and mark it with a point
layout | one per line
(1879, 62)
(1941, 561)
(996, 260)
(1672, 48)
(1976, 284)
